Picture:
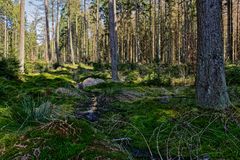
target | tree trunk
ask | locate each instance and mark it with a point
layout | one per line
(70, 33)
(158, 57)
(229, 31)
(71, 42)
(237, 50)
(113, 39)
(84, 32)
(5, 36)
(76, 38)
(97, 34)
(53, 32)
(22, 36)
(47, 32)
(211, 89)
(57, 34)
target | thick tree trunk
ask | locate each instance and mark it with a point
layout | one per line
(22, 36)
(47, 31)
(113, 39)
(211, 86)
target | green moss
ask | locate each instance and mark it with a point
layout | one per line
(164, 116)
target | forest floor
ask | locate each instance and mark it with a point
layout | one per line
(137, 118)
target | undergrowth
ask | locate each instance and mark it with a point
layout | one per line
(155, 113)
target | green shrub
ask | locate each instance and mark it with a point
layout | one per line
(144, 70)
(9, 68)
(97, 66)
(233, 75)
(158, 81)
(127, 66)
(132, 76)
(178, 71)
(31, 109)
(35, 67)
(56, 65)
(96, 74)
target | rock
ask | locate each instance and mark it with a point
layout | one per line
(126, 95)
(90, 82)
(165, 99)
(65, 91)
(205, 157)
(89, 115)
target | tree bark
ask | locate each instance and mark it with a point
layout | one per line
(53, 32)
(230, 31)
(5, 36)
(97, 34)
(211, 89)
(237, 49)
(47, 32)
(113, 39)
(57, 33)
(70, 33)
(84, 32)
(22, 36)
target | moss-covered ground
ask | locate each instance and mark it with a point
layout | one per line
(157, 115)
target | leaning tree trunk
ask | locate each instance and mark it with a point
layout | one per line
(113, 39)
(22, 36)
(211, 86)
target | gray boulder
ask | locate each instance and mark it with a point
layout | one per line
(90, 82)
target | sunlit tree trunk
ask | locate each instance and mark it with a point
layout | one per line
(77, 37)
(22, 36)
(5, 37)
